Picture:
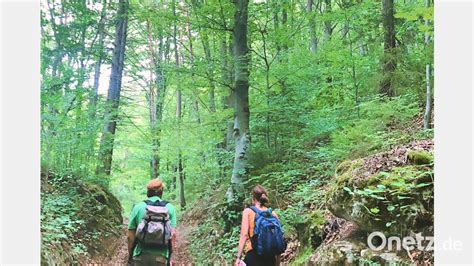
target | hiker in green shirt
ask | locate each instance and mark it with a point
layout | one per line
(151, 255)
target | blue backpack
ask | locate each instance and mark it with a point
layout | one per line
(267, 239)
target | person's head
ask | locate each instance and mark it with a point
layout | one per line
(260, 194)
(155, 188)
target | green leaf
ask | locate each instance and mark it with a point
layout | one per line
(425, 28)
(390, 223)
(423, 185)
(348, 190)
(374, 210)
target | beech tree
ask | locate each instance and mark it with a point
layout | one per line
(241, 100)
(113, 95)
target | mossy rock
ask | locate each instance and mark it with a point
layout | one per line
(341, 252)
(354, 252)
(392, 202)
(420, 157)
(344, 174)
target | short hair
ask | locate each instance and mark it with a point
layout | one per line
(154, 192)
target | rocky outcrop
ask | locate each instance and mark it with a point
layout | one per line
(390, 192)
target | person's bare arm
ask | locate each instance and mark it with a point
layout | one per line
(174, 236)
(244, 235)
(131, 239)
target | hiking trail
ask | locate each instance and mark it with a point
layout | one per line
(119, 250)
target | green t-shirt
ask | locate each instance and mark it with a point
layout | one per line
(138, 212)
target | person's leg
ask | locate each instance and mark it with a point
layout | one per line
(253, 259)
(265, 261)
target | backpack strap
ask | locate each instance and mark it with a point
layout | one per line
(254, 209)
(159, 203)
(259, 212)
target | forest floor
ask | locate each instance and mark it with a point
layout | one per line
(180, 253)
(120, 253)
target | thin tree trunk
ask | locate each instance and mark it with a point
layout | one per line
(284, 22)
(427, 114)
(59, 53)
(327, 24)
(242, 111)
(212, 86)
(113, 96)
(267, 91)
(153, 99)
(182, 198)
(101, 33)
(276, 21)
(191, 60)
(354, 74)
(178, 114)
(312, 27)
(387, 87)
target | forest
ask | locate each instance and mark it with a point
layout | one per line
(326, 103)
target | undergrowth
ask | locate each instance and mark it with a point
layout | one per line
(75, 216)
(297, 177)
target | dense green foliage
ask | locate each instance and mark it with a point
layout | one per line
(310, 109)
(75, 217)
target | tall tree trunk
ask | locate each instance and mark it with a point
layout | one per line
(312, 27)
(276, 21)
(191, 60)
(113, 96)
(284, 22)
(212, 86)
(427, 114)
(242, 111)
(180, 167)
(353, 67)
(59, 51)
(101, 33)
(154, 101)
(327, 24)
(387, 87)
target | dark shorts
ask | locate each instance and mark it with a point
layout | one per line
(149, 259)
(253, 259)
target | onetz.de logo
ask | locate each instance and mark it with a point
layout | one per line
(378, 241)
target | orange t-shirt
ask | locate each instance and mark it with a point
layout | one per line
(251, 217)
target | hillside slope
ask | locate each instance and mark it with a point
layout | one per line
(78, 220)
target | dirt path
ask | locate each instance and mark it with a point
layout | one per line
(118, 254)
(117, 250)
(180, 254)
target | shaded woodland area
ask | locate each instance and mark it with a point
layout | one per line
(327, 103)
